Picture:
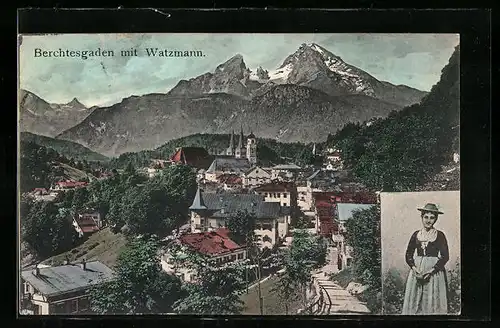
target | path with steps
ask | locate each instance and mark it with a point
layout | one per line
(335, 300)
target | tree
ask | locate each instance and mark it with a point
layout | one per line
(139, 286)
(241, 226)
(47, 230)
(180, 183)
(81, 196)
(363, 234)
(286, 287)
(217, 288)
(306, 253)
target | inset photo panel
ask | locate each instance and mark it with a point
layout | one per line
(420, 242)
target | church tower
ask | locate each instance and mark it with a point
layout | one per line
(230, 151)
(241, 150)
(252, 149)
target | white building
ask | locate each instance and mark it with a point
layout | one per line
(209, 211)
(215, 244)
(61, 289)
(256, 176)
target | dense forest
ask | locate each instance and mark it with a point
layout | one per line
(40, 166)
(269, 151)
(64, 147)
(409, 147)
(144, 206)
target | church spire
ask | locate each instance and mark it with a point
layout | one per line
(240, 142)
(231, 148)
(231, 141)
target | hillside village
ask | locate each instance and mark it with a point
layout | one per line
(280, 199)
(206, 231)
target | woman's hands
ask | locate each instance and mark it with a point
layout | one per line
(424, 276)
(417, 273)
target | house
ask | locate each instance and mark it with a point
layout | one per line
(68, 185)
(284, 193)
(61, 289)
(325, 224)
(256, 176)
(196, 157)
(226, 165)
(84, 225)
(333, 159)
(230, 181)
(285, 172)
(209, 211)
(215, 244)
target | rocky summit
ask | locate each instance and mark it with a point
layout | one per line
(312, 93)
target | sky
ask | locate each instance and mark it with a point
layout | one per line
(415, 60)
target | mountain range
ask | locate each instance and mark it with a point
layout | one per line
(312, 93)
(40, 117)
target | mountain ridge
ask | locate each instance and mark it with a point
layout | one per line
(303, 103)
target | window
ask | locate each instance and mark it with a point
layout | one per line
(265, 195)
(83, 304)
(233, 257)
(267, 239)
(58, 308)
(285, 195)
(26, 288)
(73, 306)
(240, 256)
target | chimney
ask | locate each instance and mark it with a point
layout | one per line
(84, 264)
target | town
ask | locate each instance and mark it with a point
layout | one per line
(232, 193)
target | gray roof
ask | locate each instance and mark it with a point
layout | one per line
(198, 203)
(65, 278)
(229, 164)
(226, 204)
(287, 167)
(313, 175)
(345, 210)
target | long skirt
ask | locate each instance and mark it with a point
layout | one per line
(429, 297)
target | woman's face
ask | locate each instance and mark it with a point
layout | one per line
(428, 220)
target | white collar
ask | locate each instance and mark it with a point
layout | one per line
(427, 236)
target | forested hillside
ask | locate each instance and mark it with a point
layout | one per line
(40, 167)
(64, 147)
(408, 148)
(269, 151)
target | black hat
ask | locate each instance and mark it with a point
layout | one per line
(429, 207)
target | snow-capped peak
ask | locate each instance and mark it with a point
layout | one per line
(281, 74)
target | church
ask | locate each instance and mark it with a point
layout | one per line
(248, 150)
(237, 159)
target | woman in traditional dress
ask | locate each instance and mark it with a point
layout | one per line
(426, 286)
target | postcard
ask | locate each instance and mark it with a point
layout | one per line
(239, 174)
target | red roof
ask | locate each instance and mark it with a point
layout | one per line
(360, 197)
(87, 224)
(210, 243)
(277, 186)
(230, 179)
(194, 156)
(327, 228)
(71, 183)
